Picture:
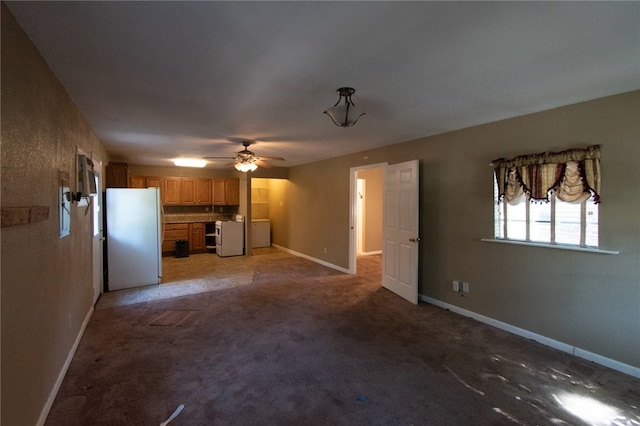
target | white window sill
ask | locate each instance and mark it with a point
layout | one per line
(553, 246)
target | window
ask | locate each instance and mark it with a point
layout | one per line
(555, 222)
(549, 197)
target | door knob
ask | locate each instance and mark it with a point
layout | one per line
(414, 240)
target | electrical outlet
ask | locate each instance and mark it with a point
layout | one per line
(456, 285)
(325, 250)
(465, 287)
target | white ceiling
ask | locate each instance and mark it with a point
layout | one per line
(159, 80)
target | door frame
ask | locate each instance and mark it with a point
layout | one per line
(353, 209)
(97, 246)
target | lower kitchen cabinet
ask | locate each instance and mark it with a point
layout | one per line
(194, 233)
(196, 242)
(173, 232)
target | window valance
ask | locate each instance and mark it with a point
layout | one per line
(573, 175)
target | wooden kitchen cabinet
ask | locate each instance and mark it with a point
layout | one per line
(137, 182)
(192, 232)
(172, 191)
(203, 191)
(173, 232)
(196, 242)
(117, 175)
(226, 192)
(187, 191)
(154, 182)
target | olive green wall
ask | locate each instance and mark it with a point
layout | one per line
(587, 300)
(46, 281)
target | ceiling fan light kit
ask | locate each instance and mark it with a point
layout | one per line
(346, 114)
(245, 166)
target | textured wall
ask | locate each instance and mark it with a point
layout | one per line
(591, 301)
(46, 281)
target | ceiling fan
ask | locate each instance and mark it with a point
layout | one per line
(247, 161)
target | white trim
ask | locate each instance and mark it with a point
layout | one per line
(548, 245)
(313, 259)
(564, 347)
(353, 172)
(56, 387)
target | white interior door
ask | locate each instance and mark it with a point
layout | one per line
(98, 236)
(400, 235)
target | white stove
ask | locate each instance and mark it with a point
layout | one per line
(230, 237)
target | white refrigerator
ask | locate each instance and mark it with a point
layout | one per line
(134, 237)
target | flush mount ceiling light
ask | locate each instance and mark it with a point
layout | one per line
(346, 114)
(190, 162)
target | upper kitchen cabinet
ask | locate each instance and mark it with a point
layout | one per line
(203, 191)
(155, 182)
(137, 181)
(191, 191)
(184, 191)
(171, 191)
(226, 192)
(195, 191)
(187, 191)
(117, 175)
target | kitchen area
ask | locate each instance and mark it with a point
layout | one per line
(196, 214)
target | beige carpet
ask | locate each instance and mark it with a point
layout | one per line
(302, 344)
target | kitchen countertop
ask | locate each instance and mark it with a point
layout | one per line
(193, 218)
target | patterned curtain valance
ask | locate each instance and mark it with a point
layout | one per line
(573, 175)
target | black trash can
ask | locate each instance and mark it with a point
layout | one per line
(182, 248)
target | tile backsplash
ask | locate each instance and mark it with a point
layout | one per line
(198, 213)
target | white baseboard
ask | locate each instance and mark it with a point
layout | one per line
(56, 387)
(565, 347)
(313, 259)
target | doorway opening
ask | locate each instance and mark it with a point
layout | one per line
(366, 203)
(97, 234)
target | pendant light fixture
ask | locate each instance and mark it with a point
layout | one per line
(347, 113)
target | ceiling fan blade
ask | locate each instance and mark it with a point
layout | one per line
(218, 158)
(273, 158)
(262, 163)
